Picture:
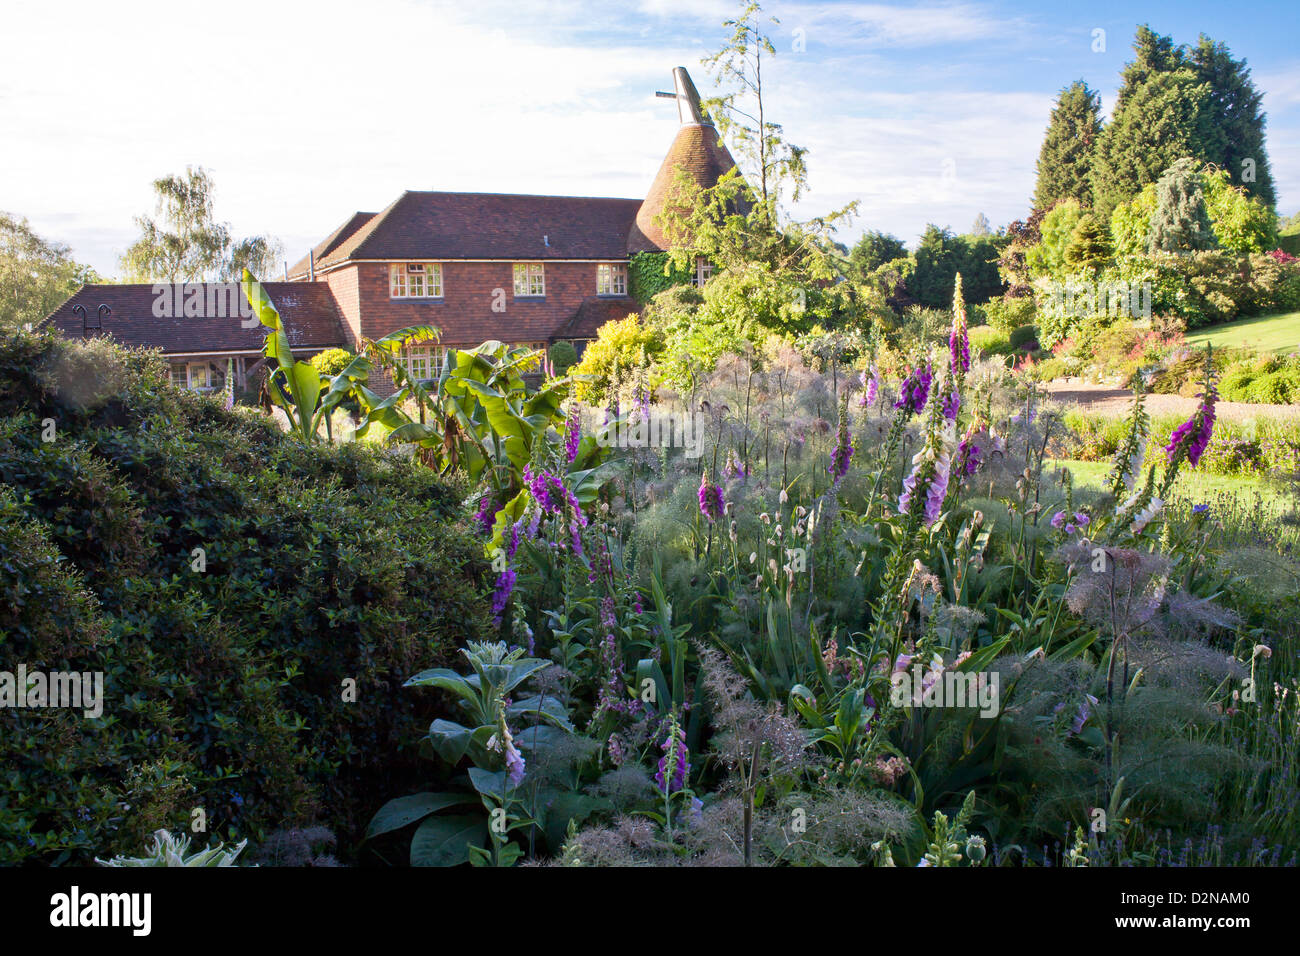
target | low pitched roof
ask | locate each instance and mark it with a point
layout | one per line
(146, 316)
(448, 226)
(594, 312)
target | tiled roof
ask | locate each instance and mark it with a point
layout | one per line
(594, 312)
(307, 309)
(698, 150)
(442, 226)
(331, 242)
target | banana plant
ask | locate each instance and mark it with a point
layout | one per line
(298, 388)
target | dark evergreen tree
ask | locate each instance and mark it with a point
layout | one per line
(1065, 158)
(1181, 222)
(1234, 106)
(1152, 54)
(1162, 120)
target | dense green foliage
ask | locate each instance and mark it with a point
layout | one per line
(35, 274)
(224, 668)
(1065, 158)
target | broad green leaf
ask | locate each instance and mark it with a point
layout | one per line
(445, 840)
(398, 812)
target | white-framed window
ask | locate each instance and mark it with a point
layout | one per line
(421, 361)
(180, 376)
(703, 271)
(415, 280)
(611, 279)
(199, 375)
(530, 279)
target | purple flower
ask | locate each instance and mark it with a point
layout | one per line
(572, 434)
(951, 405)
(552, 497)
(871, 388)
(843, 451)
(674, 745)
(486, 515)
(712, 505)
(959, 343)
(1081, 717)
(1193, 435)
(927, 483)
(1058, 519)
(514, 764)
(506, 581)
(914, 391)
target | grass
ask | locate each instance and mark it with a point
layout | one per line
(1267, 333)
(1254, 511)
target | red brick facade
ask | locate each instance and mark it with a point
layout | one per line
(478, 302)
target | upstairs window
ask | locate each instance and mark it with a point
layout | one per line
(415, 280)
(703, 271)
(611, 279)
(530, 279)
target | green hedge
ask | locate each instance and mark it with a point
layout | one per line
(223, 689)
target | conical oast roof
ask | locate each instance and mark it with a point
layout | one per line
(697, 149)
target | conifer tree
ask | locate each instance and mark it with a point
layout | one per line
(1162, 120)
(1235, 110)
(1181, 222)
(1090, 247)
(1066, 154)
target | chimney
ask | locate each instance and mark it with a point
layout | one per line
(311, 265)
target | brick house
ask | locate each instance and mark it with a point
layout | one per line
(526, 270)
(204, 329)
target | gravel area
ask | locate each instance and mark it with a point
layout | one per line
(1114, 401)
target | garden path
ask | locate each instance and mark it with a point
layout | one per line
(1113, 401)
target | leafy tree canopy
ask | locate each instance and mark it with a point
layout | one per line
(36, 275)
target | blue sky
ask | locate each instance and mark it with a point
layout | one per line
(306, 112)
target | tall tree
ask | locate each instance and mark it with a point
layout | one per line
(186, 243)
(1234, 106)
(260, 255)
(1152, 54)
(36, 275)
(1162, 120)
(981, 226)
(741, 113)
(1066, 154)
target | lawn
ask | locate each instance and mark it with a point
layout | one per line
(1250, 508)
(1267, 333)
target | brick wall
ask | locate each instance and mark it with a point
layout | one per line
(464, 315)
(343, 285)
